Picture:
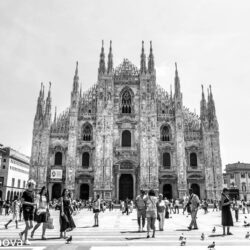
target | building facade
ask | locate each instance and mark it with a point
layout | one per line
(124, 134)
(238, 176)
(14, 173)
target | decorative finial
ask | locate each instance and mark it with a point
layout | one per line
(150, 45)
(102, 43)
(175, 66)
(49, 85)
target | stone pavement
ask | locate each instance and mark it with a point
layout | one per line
(119, 232)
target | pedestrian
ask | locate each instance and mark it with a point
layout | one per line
(161, 206)
(131, 206)
(151, 211)
(176, 206)
(243, 206)
(1, 206)
(141, 210)
(205, 206)
(126, 207)
(171, 206)
(193, 203)
(67, 222)
(227, 220)
(96, 210)
(236, 209)
(28, 203)
(15, 209)
(41, 212)
(7, 207)
(167, 208)
(215, 205)
(248, 207)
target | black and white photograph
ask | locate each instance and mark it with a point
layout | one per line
(124, 124)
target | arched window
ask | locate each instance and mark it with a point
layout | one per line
(165, 133)
(126, 102)
(58, 158)
(126, 138)
(85, 160)
(87, 133)
(166, 160)
(193, 160)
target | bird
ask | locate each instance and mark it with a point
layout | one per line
(202, 236)
(183, 242)
(214, 230)
(247, 235)
(212, 246)
(69, 239)
(181, 237)
(245, 217)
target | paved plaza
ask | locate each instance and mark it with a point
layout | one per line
(119, 232)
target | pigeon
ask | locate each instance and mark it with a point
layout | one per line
(212, 246)
(181, 237)
(183, 242)
(69, 239)
(202, 236)
(247, 235)
(214, 230)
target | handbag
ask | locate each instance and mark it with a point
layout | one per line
(49, 224)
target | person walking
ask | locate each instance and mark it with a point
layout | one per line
(141, 210)
(96, 210)
(28, 203)
(226, 215)
(151, 211)
(176, 206)
(236, 209)
(15, 209)
(126, 207)
(7, 207)
(67, 222)
(161, 206)
(42, 211)
(193, 203)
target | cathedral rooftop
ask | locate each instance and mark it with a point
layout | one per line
(126, 69)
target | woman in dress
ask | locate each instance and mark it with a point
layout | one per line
(151, 211)
(227, 220)
(42, 211)
(161, 206)
(67, 222)
(96, 210)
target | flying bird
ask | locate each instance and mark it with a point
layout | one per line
(247, 235)
(214, 230)
(202, 236)
(183, 242)
(212, 246)
(181, 237)
(69, 239)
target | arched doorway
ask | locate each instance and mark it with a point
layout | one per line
(56, 191)
(196, 189)
(126, 187)
(167, 191)
(84, 192)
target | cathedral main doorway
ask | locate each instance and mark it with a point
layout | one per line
(84, 192)
(196, 189)
(56, 191)
(167, 191)
(126, 187)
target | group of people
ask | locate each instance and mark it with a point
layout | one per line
(35, 207)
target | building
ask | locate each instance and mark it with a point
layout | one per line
(124, 134)
(238, 176)
(14, 173)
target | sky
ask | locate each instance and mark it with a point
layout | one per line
(209, 39)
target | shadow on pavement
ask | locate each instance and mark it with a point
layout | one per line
(136, 238)
(215, 235)
(184, 229)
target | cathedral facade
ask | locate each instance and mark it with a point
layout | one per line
(124, 134)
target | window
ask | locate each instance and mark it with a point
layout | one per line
(87, 132)
(193, 160)
(3, 166)
(243, 175)
(24, 183)
(231, 176)
(249, 175)
(126, 138)
(13, 182)
(126, 102)
(58, 158)
(165, 133)
(4, 160)
(85, 159)
(243, 187)
(18, 183)
(166, 160)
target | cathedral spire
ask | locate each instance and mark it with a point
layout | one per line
(55, 115)
(143, 60)
(203, 105)
(151, 63)
(76, 79)
(102, 67)
(48, 101)
(110, 59)
(39, 107)
(177, 83)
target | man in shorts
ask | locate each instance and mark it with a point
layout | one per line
(141, 210)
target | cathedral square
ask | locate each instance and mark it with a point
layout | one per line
(124, 134)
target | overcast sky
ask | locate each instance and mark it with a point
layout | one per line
(41, 40)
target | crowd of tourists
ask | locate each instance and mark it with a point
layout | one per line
(150, 208)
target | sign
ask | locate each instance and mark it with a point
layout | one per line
(56, 174)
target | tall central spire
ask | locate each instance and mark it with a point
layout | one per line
(143, 60)
(151, 63)
(102, 67)
(76, 79)
(110, 59)
(177, 82)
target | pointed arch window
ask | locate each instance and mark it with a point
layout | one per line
(165, 133)
(87, 132)
(126, 102)
(58, 158)
(85, 160)
(126, 138)
(166, 160)
(193, 160)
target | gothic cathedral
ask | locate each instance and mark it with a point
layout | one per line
(125, 134)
